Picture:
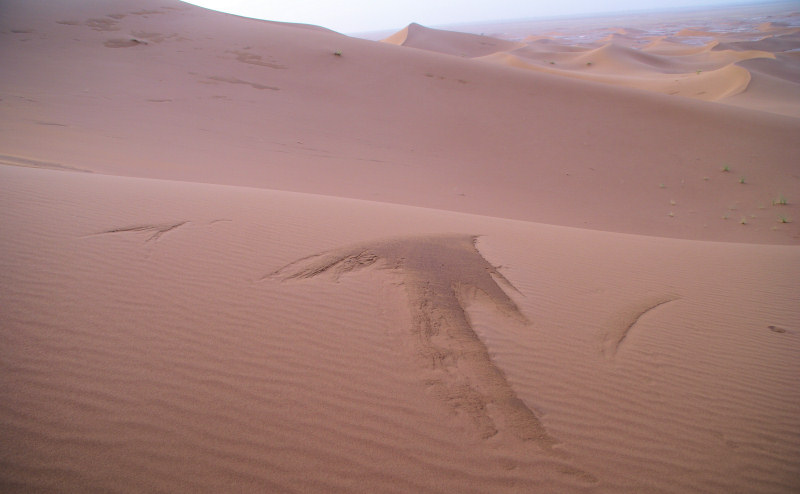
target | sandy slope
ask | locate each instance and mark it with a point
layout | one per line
(214, 98)
(155, 338)
(175, 336)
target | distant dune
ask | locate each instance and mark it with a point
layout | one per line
(673, 65)
(247, 256)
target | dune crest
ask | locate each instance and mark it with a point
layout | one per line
(629, 71)
(449, 42)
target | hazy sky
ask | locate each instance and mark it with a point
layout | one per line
(352, 16)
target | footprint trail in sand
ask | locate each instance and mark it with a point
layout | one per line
(441, 274)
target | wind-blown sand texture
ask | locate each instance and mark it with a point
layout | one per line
(233, 260)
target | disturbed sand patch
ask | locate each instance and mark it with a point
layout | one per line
(153, 232)
(9, 160)
(624, 322)
(253, 59)
(123, 42)
(234, 80)
(442, 274)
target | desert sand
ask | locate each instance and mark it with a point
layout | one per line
(248, 256)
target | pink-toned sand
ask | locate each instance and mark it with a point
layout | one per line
(245, 256)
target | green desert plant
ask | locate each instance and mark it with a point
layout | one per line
(338, 53)
(726, 168)
(779, 201)
(784, 219)
(741, 180)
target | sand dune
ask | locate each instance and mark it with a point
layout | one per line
(245, 256)
(663, 46)
(705, 72)
(775, 88)
(453, 43)
(649, 59)
(618, 65)
(226, 100)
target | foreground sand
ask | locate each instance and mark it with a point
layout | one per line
(152, 341)
(164, 335)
